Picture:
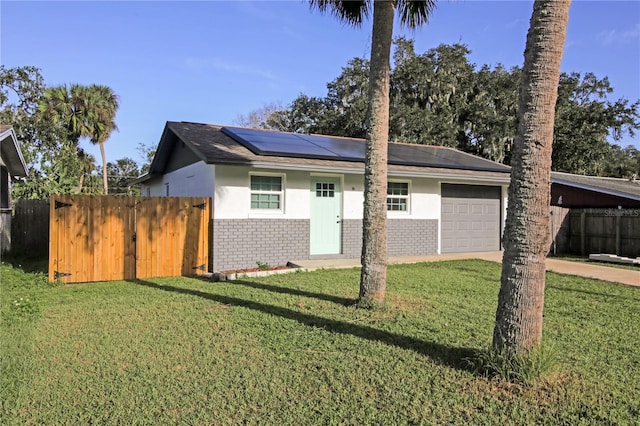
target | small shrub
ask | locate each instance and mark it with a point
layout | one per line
(524, 368)
(263, 266)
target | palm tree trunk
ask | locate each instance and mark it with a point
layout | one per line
(105, 185)
(80, 183)
(373, 278)
(518, 326)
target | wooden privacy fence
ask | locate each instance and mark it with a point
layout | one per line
(560, 231)
(611, 231)
(30, 228)
(103, 238)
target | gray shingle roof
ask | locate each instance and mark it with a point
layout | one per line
(212, 146)
(612, 186)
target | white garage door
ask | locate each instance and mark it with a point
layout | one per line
(470, 218)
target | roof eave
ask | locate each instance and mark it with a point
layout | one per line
(359, 169)
(144, 178)
(11, 150)
(165, 148)
(596, 189)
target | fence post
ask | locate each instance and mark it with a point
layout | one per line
(618, 224)
(583, 222)
(553, 230)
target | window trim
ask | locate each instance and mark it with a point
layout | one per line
(406, 197)
(282, 191)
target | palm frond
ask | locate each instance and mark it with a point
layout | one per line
(415, 13)
(353, 12)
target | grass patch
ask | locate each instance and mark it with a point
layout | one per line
(294, 349)
(527, 368)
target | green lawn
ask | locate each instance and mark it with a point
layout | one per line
(291, 349)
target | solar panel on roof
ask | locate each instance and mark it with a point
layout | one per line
(410, 156)
(345, 149)
(263, 142)
(432, 156)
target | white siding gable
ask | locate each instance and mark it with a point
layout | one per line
(194, 180)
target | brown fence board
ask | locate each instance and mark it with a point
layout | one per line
(169, 236)
(30, 228)
(102, 238)
(611, 231)
(53, 245)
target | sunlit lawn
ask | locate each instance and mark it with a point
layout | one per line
(291, 349)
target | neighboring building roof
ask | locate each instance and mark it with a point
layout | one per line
(210, 144)
(611, 186)
(10, 152)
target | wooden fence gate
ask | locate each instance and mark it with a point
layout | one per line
(104, 238)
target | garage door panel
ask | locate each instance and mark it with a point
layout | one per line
(493, 245)
(478, 226)
(462, 245)
(447, 244)
(462, 226)
(477, 209)
(492, 209)
(469, 222)
(462, 209)
(448, 227)
(447, 208)
(490, 226)
(477, 244)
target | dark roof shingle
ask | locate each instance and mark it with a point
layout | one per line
(211, 145)
(614, 186)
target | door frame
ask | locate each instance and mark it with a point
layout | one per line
(340, 177)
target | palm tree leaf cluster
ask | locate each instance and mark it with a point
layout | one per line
(412, 13)
(82, 112)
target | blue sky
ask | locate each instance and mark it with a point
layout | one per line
(209, 61)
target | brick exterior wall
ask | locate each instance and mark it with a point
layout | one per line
(240, 243)
(352, 237)
(407, 237)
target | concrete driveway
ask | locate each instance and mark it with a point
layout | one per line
(581, 269)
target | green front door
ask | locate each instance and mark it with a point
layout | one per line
(326, 215)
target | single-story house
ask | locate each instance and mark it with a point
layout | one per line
(279, 197)
(576, 191)
(12, 166)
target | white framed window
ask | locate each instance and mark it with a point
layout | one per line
(267, 192)
(398, 196)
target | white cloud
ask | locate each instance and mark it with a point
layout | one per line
(610, 37)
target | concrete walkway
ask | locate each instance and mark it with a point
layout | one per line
(581, 269)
